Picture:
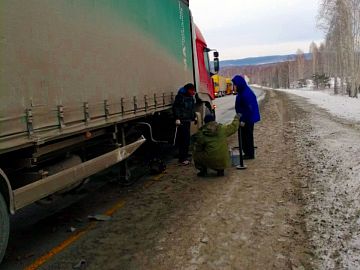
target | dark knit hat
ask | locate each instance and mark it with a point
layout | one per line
(189, 86)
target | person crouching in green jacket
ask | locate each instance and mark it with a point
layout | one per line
(210, 148)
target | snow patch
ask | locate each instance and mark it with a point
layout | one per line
(338, 105)
(341, 106)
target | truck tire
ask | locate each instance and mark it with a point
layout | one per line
(4, 227)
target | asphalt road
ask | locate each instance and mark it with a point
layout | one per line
(37, 229)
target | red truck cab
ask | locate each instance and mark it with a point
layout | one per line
(203, 73)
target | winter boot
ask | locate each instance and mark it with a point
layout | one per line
(220, 172)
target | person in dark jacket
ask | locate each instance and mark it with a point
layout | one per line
(247, 107)
(210, 147)
(184, 113)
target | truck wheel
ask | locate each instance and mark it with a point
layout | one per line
(4, 227)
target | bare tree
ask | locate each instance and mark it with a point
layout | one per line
(340, 21)
(300, 64)
(315, 57)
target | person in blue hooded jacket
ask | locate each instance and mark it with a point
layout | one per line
(247, 107)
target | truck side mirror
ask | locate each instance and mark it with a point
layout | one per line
(216, 65)
(216, 54)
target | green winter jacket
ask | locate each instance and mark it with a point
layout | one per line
(209, 144)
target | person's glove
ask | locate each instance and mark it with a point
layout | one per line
(242, 124)
(178, 122)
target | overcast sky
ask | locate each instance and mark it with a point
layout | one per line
(246, 28)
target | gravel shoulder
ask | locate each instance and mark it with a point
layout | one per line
(331, 159)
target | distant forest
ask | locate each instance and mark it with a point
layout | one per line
(337, 59)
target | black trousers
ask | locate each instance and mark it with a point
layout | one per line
(183, 139)
(247, 139)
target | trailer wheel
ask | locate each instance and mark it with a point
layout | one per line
(4, 226)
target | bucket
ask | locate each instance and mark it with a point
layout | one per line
(235, 156)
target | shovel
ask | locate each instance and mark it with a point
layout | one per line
(175, 135)
(241, 166)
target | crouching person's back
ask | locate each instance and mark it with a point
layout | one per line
(210, 147)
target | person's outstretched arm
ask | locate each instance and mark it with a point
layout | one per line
(233, 127)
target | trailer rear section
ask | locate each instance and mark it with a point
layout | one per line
(74, 65)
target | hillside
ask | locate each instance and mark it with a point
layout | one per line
(254, 61)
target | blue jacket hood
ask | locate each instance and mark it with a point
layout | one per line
(182, 91)
(240, 83)
(246, 101)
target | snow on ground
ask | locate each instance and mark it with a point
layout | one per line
(333, 198)
(333, 202)
(341, 106)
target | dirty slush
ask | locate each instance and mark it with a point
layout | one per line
(260, 218)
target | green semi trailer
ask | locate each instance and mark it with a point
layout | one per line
(73, 74)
